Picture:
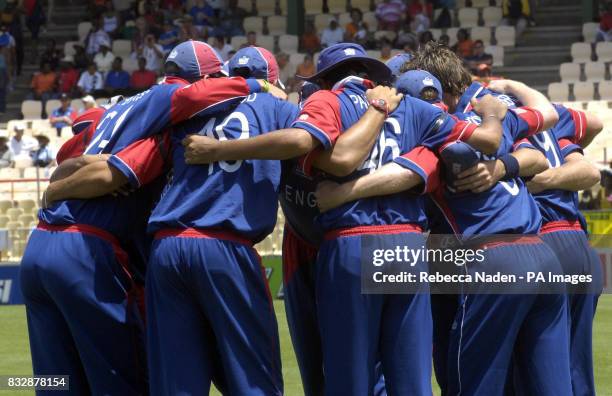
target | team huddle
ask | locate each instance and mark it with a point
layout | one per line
(141, 277)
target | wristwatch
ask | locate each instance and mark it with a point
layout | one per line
(380, 105)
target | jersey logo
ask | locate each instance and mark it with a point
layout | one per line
(304, 117)
(243, 60)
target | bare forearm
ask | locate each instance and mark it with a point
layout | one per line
(487, 137)
(574, 175)
(277, 145)
(353, 146)
(94, 180)
(531, 98)
(531, 162)
(390, 179)
(72, 165)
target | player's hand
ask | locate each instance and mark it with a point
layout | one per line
(501, 86)
(489, 106)
(481, 177)
(200, 150)
(274, 90)
(328, 195)
(388, 94)
(538, 183)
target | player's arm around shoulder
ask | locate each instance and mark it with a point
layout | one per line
(576, 174)
(487, 136)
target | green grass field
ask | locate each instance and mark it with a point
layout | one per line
(15, 354)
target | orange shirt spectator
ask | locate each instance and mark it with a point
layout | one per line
(44, 81)
(306, 68)
(464, 45)
(310, 40)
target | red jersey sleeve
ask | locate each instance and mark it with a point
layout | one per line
(321, 117)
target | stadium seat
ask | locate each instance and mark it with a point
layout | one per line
(266, 42)
(481, 33)
(589, 31)
(31, 109)
(363, 5)
(14, 213)
(385, 34)
(69, 48)
(266, 7)
(83, 30)
(296, 58)
(130, 65)
(581, 52)
(371, 20)
(584, 91)
(294, 97)
(246, 4)
(30, 172)
(570, 72)
(605, 90)
(22, 163)
(598, 106)
(5, 204)
(574, 105)
(468, 17)
(321, 21)
(3, 220)
(51, 105)
(312, 7)
(595, 71)
(26, 218)
(122, 48)
(492, 16)
(277, 25)
(497, 52)
(604, 51)
(505, 36)
(452, 35)
(436, 33)
(237, 41)
(288, 43)
(558, 92)
(336, 6)
(76, 104)
(253, 24)
(344, 18)
(480, 3)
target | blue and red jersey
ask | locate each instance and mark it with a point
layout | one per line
(83, 128)
(556, 144)
(326, 114)
(163, 105)
(507, 208)
(240, 197)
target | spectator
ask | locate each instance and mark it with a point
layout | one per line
(406, 35)
(516, 13)
(152, 52)
(10, 54)
(62, 116)
(390, 14)
(154, 17)
(419, 15)
(51, 54)
(104, 59)
(251, 40)
(188, 31)
(68, 77)
(306, 68)
(604, 32)
(111, 20)
(6, 70)
(425, 37)
(142, 78)
(91, 80)
(34, 20)
(478, 57)
(43, 83)
(96, 36)
(286, 71)
(222, 47)
(203, 16)
(6, 155)
(80, 59)
(44, 156)
(356, 30)
(21, 145)
(11, 18)
(169, 38)
(385, 51)
(172, 9)
(333, 34)
(231, 19)
(310, 40)
(464, 45)
(444, 39)
(140, 34)
(117, 80)
(88, 102)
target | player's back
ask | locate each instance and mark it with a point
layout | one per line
(238, 196)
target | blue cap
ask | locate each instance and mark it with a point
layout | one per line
(339, 54)
(414, 81)
(195, 59)
(396, 63)
(259, 61)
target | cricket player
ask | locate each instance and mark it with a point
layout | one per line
(81, 294)
(358, 330)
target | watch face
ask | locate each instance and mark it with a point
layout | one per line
(381, 102)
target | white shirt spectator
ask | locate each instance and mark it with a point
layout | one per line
(21, 148)
(94, 40)
(224, 52)
(331, 37)
(104, 62)
(154, 62)
(90, 82)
